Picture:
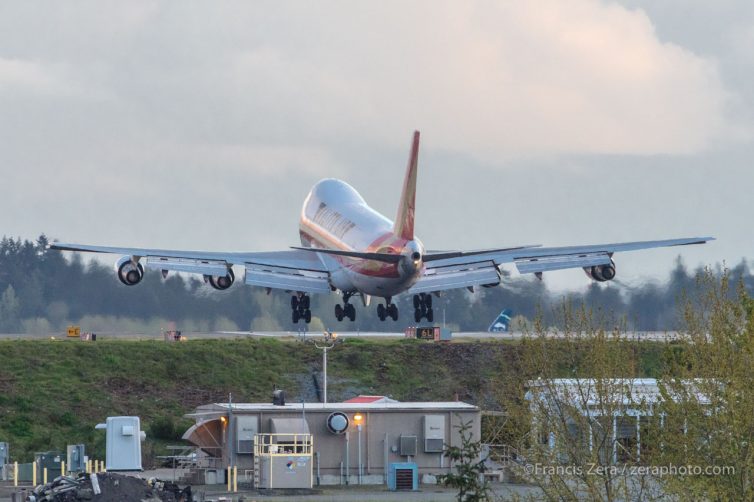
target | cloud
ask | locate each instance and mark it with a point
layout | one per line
(180, 124)
(519, 79)
(33, 79)
(490, 78)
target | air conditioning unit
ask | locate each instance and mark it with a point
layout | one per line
(403, 476)
(407, 445)
(434, 433)
(247, 427)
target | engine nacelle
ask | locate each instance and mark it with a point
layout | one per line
(601, 273)
(221, 282)
(129, 273)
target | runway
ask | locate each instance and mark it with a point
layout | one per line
(646, 336)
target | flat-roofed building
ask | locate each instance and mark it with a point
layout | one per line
(347, 443)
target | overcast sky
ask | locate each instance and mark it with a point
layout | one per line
(203, 125)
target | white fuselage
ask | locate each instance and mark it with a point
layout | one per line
(335, 216)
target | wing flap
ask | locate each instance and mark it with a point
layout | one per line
(289, 279)
(457, 276)
(204, 267)
(559, 262)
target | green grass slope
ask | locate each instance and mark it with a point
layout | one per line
(53, 393)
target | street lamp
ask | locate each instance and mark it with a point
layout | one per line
(329, 341)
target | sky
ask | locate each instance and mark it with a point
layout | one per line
(202, 125)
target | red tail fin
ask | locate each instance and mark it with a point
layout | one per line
(404, 220)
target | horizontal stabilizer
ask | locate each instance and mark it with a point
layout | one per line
(444, 255)
(383, 257)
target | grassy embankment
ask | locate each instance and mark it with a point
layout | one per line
(53, 393)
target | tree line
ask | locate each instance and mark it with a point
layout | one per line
(43, 291)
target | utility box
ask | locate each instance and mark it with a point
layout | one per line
(434, 433)
(403, 476)
(123, 443)
(75, 459)
(49, 460)
(247, 426)
(407, 446)
(285, 471)
(4, 454)
(285, 460)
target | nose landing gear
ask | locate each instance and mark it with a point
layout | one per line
(423, 307)
(388, 310)
(345, 310)
(300, 308)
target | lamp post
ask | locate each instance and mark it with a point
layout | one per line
(330, 339)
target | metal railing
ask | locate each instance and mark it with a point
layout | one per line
(283, 444)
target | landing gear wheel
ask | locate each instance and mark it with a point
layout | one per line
(350, 312)
(417, 315)
(428, 301)
(430, 315)
(305, 302)
(381, 312)
(307, 316)
(417, 302)
(295, 316)
(339, 312)
(294, 302)
(393, 311)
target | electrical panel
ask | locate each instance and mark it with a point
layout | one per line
(247, 426)
(434, 433)
(4, 454)
(407, 446)
(75, 458)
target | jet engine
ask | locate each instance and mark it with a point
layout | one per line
(130, 273)
(601, 273)
(221, 282)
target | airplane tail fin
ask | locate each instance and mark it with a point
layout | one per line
(404, 220)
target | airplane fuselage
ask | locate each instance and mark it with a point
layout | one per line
(335, 216)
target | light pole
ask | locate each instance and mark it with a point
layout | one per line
(330, 339)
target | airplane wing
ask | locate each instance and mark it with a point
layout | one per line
(292, 270)
(482, 268)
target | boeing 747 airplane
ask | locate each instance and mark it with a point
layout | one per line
(349, 248)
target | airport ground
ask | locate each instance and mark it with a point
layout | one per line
(377, 493)
(648, 336)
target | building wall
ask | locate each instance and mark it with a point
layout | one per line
(378, 425)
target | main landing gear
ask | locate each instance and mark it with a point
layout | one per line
(388, 310)
(345, 310)
(423, 307)
(300, 307)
